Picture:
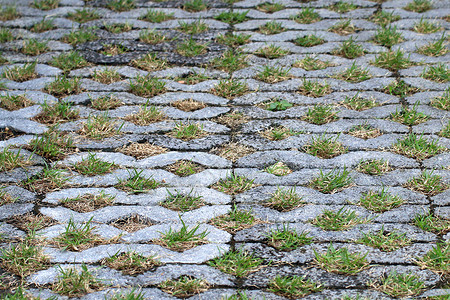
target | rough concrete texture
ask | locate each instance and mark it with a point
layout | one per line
(265, 126)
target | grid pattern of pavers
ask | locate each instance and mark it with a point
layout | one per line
(341, 108)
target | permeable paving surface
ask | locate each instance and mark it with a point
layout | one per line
(224, 150)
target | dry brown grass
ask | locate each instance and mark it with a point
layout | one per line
(92, 240)
(365, 132)
(10, 103)
(6, 134)
(143, 150)
(188, 105)
(30, 221)
(232, 120)
(232, 151)
(146, 116)
(106, 76)
(88, 202)
(231, 226)
(132, 223)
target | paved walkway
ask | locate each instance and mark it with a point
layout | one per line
(220, 150)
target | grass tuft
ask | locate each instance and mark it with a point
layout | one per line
(332, 181)
(286, 239)
(418, 6)
(233, 184)
(236, 220)
(147, 86)
(307, 16)
(431, 223)
(80, 36)
(393, 60)
(437, 259)
(146, 115)
(341, 261)
(52, 144)
(182, 202)
(273, 74)
(374, 167)
(130, 263)
(270, 7)
(388, 36)
(137, 183)
(427, 183)
(23, 259)
(8, 13)
(34, 47)
(439, 73)
(20, 73)
(271, 27)
(188, 131)
(63, 86)
(156, 16)
(435, 48)
(43, 26)
(350, 49)
(149, 62)
(342, 219)
(231, 17)
(230, 61)
(233, 40)
(271, 52)
(239, 263)
(10, 160)
(417, 147)
(399, 285)
(426, 27)
(69, 61)
(98, 127)
(384, 18)
(293, 287)
(344, 27)
(314, 89)
(409, 116)
(385, 241)
(45, 4)
(73, 283)
(381, 201)
(88, 202)
(83, 15)
(309, 40)
(78, 237)
(14, 102)
(182, 239)
(311, 63)
(284, 200)
(91, 165)
(191, 48)
(184, 287)
(230, 88)
(121, 5)
(359, 103)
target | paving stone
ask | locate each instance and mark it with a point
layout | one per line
(233, 146)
